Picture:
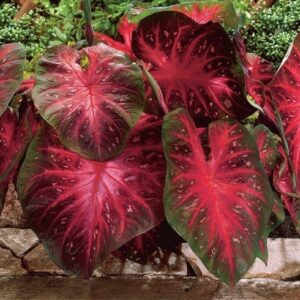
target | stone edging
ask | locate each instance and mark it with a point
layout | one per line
(283, 261)
(21, 248)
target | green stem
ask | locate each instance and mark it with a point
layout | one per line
(157, 91)
(89, 32)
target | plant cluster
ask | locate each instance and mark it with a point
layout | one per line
(268, 32)
(33, 30)
(54, 24)
(271, 30)
(109, 141)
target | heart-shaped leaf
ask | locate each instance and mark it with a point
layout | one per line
(12, 57)
(277, 217)
(261, 72)
(217, 196)
(9, 142)
(16, 132)
(258, 73)
(285, 90)
(124, 38)
(205, 11)
(200, 11)
(283, 183)
(194, 65)
(91, 97)
(83, 209)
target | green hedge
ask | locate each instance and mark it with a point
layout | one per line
(272, 30)
(268, 33)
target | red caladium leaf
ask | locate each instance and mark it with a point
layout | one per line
(9, 141)
(91, 97)
(269, 116)
(277, 217)
(260, 69)
(27, 85)
(16, 131)
(219, 201)
(283, 182)
(258, 74)
(14, 137)
(124, 38)
(285, 90)
(201, 15)
(12, 57)
(125, 30)
(267, 148)
(254, 66)
(193, 65)
(261, 72)
(268, 153)
(83, 209)
(106, 39)
(205, 11)
(31, 121)
(199, 11)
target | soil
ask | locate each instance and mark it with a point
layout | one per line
(285, 230)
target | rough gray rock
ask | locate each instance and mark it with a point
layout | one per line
(160, 264)
(283, 261)
(10, 265)
(12, 214)
(19, 241)
(37, 261)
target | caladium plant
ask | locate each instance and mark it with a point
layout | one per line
(95, 207)
(16, 131)
(153, 125)
(15, 127)
(219, 201)
(285, 93)
(12, 57)
(258, 73)
(76, 89)
(194, 65)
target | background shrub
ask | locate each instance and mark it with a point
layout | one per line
(271, 30)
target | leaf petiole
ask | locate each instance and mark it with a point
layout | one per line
(89, 32)
(156, 89)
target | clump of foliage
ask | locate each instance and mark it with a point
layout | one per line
(59, 23)
(51, 24)
(105, 15)
(33, 30)
(111, 140)
(271, 30)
